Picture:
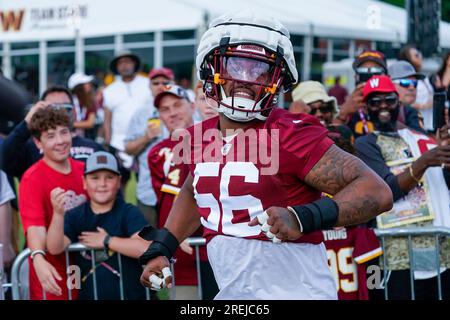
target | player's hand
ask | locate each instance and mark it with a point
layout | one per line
(443, 135)
(186, 247)
(93, 240)
(157, 274)
(353, 102)
(39, 105)
(153, 130)
(278, 224)
(47, 275)
(58, 200)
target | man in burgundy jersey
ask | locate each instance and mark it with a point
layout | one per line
(348, 250)
(176, 112)
(257, 173)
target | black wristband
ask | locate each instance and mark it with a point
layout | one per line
(164, 244)
(318, 215)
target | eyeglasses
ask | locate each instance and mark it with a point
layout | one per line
(405, 83)
(324, 107)
(64, 106)
(158, 83)
(376, 102)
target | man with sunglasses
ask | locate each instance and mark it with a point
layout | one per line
(19, 150)
(318, 102)
(405, 79)
(411, 163)
(352, 111)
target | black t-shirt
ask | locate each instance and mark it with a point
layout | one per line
(408, 115)
(123, 221)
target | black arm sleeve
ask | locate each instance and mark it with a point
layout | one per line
(369, 152)
(18, 151)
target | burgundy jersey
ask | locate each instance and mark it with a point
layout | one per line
(348, 250)
(238, 177)
(167, 180)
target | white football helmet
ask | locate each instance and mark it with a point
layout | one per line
(244, 51)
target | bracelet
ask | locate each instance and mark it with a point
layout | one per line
(35, 252)
(298, 219)
(411, 173)
(321, 214)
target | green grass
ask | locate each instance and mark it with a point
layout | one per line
(130, 190)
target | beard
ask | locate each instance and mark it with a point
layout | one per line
(384, 120)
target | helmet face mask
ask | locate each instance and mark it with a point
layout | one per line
(244, 80)
(244, 61)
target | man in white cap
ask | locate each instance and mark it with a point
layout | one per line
(315, 100)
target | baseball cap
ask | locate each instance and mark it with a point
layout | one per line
(378, 83)
(312, 91)
(174, 90)
(403, 69)
(78, 78)
(165, 72)
(101, 160)
(370, 55)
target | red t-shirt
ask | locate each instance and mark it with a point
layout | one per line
(348, 250)
(262, 166)
(167, 180)
(36, 210)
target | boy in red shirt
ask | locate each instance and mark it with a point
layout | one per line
(51, 134)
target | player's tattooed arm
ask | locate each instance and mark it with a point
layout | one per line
(359, 192)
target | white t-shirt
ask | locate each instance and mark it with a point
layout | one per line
(424, 94)
(261, 270)
(123, 99)
(6, 192)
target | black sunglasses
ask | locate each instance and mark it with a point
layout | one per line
(376, 102)
(324, 108)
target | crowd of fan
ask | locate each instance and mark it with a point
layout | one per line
(77, 148)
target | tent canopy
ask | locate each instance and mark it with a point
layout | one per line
(349, 19)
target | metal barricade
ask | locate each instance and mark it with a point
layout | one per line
(15, 284)
(2, 274)
(436, 232)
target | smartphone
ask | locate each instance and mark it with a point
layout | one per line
(439, 99)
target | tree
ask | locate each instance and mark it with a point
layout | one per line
(445, 7)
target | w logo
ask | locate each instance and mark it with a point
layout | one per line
(374, 83)
(11, 20)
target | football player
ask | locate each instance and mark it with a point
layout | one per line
(262, 219)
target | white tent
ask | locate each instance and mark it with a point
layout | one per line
(350, 19)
